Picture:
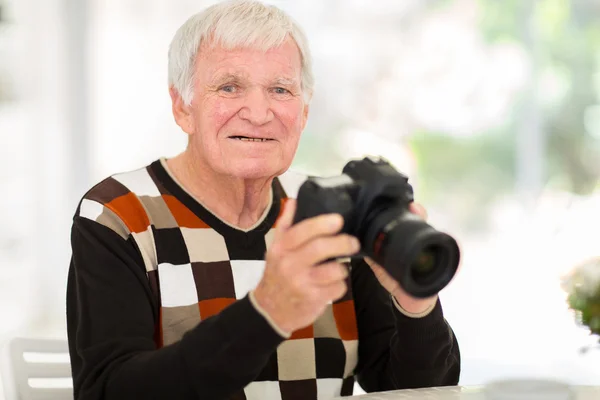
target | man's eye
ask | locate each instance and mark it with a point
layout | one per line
(280, 90)
(228, 88)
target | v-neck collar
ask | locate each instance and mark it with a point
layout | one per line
(176, 189)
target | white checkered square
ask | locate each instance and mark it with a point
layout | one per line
(329, 388)
(205, 245)
(90, 209)
(351, 347)
(296, 360)
(145, 242)
(177, 286)
(325, 326)
(139, 182)
(246, 275)
(263, 390)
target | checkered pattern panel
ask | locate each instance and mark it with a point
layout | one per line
(196, 271)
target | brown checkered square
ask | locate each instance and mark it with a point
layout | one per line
(298, 390)
(213, 280)
(107, 191)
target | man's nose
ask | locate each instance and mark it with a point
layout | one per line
(257, 107)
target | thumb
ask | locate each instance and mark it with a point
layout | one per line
(418, 209)
(286, 218)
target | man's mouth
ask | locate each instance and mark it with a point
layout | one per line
(249, 139)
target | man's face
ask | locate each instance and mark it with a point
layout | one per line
(248, 111)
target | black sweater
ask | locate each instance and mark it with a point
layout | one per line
(158, 307)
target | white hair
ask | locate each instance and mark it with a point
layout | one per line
(234, 24)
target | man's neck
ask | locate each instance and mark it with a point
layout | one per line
(238, 202)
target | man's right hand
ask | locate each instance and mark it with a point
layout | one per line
(296, 288)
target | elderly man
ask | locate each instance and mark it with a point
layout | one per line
(188, 279)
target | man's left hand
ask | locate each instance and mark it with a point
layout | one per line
(408, 303)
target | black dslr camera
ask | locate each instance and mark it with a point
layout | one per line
(374, 200)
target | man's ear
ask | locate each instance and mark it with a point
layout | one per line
(181, 112)
(305, 115)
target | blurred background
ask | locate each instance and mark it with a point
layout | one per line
(492, 108)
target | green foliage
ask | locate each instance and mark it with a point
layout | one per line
(317, 145)
(552, 18)
(453, 162)
(587, 308)
(499, 19)
(562, 37)
(582, 285)
(464, 175)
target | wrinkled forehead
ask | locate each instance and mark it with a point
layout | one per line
(283, 58)
(264, 44)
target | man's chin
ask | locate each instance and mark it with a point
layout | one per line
(255, 169)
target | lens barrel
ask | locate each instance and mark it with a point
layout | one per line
(422, 259)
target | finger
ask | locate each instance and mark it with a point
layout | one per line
(326, 274)
(418, 209)
(378, 271)
(381, 273)
(334, 291)
(374, 266)
(286, 218)
(311, 228)
(370, 262)
(324, 248)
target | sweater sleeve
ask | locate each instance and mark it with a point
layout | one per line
(396, 351)
(111, 323)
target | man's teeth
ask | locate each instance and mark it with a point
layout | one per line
(252, 139)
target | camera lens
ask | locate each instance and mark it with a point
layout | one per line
(421, 269)
(422, 259)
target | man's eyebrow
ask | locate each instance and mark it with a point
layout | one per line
(237, 78)
(285, 81)
(226, 78)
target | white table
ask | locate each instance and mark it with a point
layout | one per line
(468, 393)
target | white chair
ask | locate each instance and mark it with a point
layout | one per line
(36, 369)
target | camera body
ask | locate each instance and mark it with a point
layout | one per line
(374, 199)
